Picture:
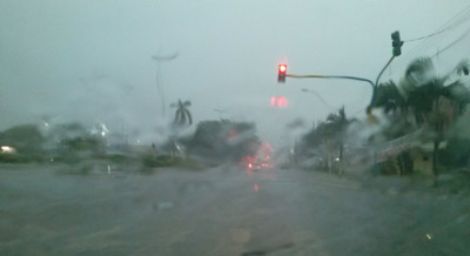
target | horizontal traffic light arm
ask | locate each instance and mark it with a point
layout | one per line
(333, 77)
(355, 78)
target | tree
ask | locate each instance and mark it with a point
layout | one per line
(433, 101)
(389, 97)
(182, 115)
(26, 139)
(224, 140)
(329, 136)
(337, 129)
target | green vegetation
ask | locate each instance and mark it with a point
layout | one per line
(426, 107)
(25, 138)
(223, 140)
(425, 100)
(27, 142)
(155, 161)
(327, 141)
(456, 154)
(21, 158)
(182, 115)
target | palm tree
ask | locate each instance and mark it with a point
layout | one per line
(183, 118)
(463, 67)
(434, 100)
(333, 133)
(390, 98)
(424, 99)
(182, 115)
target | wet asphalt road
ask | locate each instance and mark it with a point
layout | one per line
(222, 211)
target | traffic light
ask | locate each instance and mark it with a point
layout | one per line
(281, 73)
(396, 43)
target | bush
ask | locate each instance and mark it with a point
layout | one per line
(223, 140)
(152, 161)
(456, 154)
(158, 161)
(20, 158)
(26, 139)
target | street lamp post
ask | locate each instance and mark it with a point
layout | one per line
(159, 59)
(305, 90)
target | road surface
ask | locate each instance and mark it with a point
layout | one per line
(222, 211)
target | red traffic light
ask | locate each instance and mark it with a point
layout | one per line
(281, 73)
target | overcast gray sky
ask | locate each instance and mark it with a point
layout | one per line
(91, 60)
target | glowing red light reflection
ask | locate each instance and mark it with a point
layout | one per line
(279, 101)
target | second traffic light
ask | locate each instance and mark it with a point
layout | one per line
(281, 73)
(396, 43)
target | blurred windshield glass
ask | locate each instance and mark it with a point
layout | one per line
(158, 127)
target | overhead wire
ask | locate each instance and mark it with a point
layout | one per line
(455, 21)
(449, 25)
(453, 43)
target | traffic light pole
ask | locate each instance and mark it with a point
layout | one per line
(397, 43)
(338, 77)
(355, 78)
(383, 70)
